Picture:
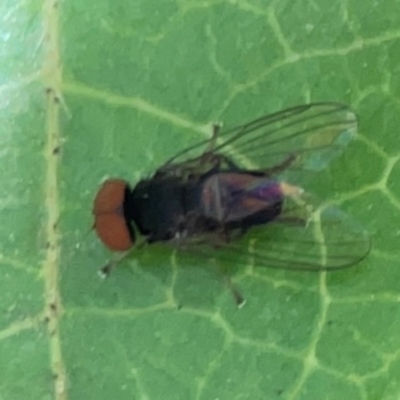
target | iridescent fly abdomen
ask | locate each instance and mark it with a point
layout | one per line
(241, 199)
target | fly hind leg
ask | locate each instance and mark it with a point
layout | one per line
(216, 127)
(283, 165)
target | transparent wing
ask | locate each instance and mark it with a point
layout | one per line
(309, 135)
(303, 238)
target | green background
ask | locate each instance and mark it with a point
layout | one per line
(112, 88)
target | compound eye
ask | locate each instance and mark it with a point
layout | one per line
(113, 231)
(110, 197)
(110, 223)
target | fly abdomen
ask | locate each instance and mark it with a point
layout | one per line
(241, 198)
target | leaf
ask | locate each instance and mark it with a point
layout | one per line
(92, 90)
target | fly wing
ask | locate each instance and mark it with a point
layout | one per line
(304, 237)
(308, 239)
(309, 136)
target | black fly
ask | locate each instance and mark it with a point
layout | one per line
(240, 192)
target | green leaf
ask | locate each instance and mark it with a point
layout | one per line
(90, 90)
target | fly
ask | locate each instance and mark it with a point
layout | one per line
(240, 193)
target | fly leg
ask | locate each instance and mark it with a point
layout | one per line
(213, 158)
(224, 238)
(282, 166)
(208, 155)
(286, 163)
(292, 221)
(231, 165)
(105, 271)
(236, 294)
(191, 167)
(212, 146)
(216, 127)
(224, 235)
